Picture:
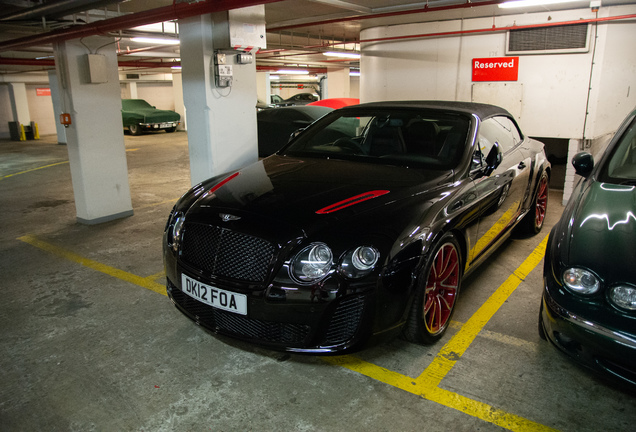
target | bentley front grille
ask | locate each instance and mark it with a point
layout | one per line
(223, 252)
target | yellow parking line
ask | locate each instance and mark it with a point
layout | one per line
(111, 271)
(426, 385)
(33, 169)
(45, 166)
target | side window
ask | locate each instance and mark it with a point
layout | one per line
(498, 129)
(510, 127)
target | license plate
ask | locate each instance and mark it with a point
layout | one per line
(215, 297)
(165, 125)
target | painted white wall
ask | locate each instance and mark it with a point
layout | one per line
(41, 110)
(555, 86)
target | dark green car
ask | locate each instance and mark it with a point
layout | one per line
(589, 301)
(139, 116)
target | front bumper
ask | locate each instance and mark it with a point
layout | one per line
(159, 126)
(315, 327)
(592, 344)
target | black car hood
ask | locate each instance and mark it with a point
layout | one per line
(308, 192)
(603, 231)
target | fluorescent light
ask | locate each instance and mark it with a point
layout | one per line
(274, 77)
(157, 41)
(528, 3)
(176, 67)
(342, 54)
(354, 73)
(292, 72)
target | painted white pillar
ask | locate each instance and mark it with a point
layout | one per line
(56, 98)
(177, 91)
(132, 86)
(222, 135)
(19, 103)
(339, 83)
(95, 139)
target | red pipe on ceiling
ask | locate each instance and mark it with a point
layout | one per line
(103, 27)
(51, 63)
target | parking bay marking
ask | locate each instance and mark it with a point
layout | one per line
(427, 384)
(147, 282)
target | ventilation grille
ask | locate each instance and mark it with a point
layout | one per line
(548, 40)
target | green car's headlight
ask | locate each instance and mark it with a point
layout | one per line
(581, 281)
(623, 296)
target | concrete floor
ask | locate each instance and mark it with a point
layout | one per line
(89, 342)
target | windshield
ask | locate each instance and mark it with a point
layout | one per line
(621, 165)
(418, 138)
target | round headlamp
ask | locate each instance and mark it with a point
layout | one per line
(623, 296)
(312, 263)
(359, 262)
(581, 281)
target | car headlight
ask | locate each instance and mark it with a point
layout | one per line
(359, 262)
(581, 281)
(623, 296)
(312, 263)
(174, 230)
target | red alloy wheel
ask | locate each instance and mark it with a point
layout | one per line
(441, 289)
(542, 201)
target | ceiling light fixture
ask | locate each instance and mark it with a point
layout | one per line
(292, 72)
(156, 41)
(354, 73)
(342, 54)
(529, 3)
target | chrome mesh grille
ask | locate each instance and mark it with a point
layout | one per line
(226, 253)
(345, 320)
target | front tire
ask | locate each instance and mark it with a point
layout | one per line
(437, 290)
(533, 221)
(134, 129)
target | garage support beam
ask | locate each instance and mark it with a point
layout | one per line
(222, 134)
(89, 92)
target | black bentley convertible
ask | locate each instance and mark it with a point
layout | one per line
(360, 228)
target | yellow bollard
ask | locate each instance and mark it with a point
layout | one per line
(22, 134)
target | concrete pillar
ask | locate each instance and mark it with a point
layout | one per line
(19, 103)
(222, 135)
(339, 83)
(177, 91)
(56, 98)
(574, 146)
(132, 86)
(90, 93)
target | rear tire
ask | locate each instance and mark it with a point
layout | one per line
(134, 129)
(437, 290)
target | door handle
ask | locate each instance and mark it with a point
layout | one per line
(521, 165)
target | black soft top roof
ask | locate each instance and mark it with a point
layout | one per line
(482, 111)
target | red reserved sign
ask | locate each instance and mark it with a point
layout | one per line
(43, 91)
(496, 69)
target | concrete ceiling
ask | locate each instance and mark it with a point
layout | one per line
(298, 31)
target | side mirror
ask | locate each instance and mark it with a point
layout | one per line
(583, 163)
(295, 133)
(493, 159)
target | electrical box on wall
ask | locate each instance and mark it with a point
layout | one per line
(242, 29)
(222, 70)
(97, 70)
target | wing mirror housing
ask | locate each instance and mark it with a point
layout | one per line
(493, 159)
(583, 163)
(295, 133)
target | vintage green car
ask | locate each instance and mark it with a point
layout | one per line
(138, 116)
